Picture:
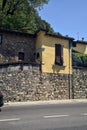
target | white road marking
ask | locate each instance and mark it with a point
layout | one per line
(55, 116)
(14, 119)
(84, 114)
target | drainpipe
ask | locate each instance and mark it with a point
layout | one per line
(69, 76)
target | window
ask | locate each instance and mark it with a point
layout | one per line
(37, 55)
(0, 39)
(21, 56)
(58, 54)
(74, 44)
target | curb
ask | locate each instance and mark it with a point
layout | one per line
(71, 101)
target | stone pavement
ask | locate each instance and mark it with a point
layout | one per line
(71, 101)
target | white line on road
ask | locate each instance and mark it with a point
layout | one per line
(14, 119)
(55, 116)
(84, 114)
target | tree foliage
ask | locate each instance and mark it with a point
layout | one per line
(22, 15)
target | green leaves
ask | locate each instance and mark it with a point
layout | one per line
(81, 59)
(3, 4)
(22, 15)
(37, 3)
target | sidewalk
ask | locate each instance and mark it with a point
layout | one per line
(71, 101)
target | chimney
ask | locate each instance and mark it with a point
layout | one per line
(66, 35)
(82, 38)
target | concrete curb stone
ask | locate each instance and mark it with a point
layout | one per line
(71, 101)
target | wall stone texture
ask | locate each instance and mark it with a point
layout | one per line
(79, 82)
(30, 84)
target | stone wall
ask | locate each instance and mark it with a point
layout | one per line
(25, 82)
(79, 82)
(29, 84)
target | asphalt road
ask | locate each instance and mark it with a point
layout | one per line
(44, 117)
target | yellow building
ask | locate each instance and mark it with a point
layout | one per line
(53, 51)
(81, 47)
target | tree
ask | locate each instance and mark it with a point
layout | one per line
(10, 6)
(3, 4)
(22, 15)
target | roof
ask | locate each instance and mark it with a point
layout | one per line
(81, 42)
(55, 34)
(59, 36)
(17, 32)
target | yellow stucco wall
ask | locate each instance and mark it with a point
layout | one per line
(48, 55)
(80, 47)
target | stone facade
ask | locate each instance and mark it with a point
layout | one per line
(13, 43)
(30, 84)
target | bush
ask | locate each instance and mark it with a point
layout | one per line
(80, 57)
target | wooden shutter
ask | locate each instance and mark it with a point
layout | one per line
(58, 54)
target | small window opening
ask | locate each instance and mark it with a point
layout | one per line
(21, 56)
(38, 55)
(0, 39)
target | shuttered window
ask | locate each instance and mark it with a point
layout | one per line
(58, 54)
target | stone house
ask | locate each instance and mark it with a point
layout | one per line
(52, 51)
(16, 47)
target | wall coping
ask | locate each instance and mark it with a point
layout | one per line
(18, 63)
(79, 67)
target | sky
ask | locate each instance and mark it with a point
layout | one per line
(69, 17)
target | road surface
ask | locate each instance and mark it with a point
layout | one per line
(44, 117)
